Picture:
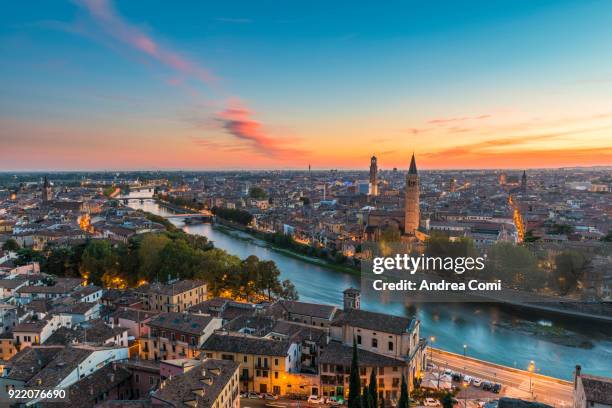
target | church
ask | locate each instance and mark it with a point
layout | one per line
(407, 221)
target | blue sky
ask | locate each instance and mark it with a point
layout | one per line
(327, 83)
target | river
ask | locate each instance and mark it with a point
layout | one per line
(490, 333)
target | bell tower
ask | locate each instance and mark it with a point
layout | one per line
(411, 204)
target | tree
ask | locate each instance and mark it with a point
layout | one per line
(404, 398)
(149, 252)
(569, 269)
(515, 265)
(373, 388)
(366, 398)
(267, 278)
(257, 193)
(440, 245)
(390, 234)
(354, 397)
(62, 261)
(447, 400)
(10, 245)
(98, 259)
(27, 256)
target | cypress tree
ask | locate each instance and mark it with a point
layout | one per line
(403, 400)
(373, 388)
(365, 398)
(354, 397)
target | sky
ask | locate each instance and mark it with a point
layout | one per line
(205, 85)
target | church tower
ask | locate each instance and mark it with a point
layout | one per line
(373, 176)
(524, 182)
(411, 205)
(47, 191)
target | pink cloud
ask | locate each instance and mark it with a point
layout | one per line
(238, 122)
(108, 20)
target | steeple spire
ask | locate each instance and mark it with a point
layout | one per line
(413, 168)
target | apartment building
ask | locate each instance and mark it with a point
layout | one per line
(176, 335)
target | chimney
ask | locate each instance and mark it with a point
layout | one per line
(576, 375)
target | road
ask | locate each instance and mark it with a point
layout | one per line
(516, 383)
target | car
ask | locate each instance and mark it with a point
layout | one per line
(333, 401)
(467, 380)
(268, 396)
(315, 399)
(477, 382)
(457, 377)
(431, 402)
(431, 366)
(253, 395)
(486, 385)
(244, 394)
(448, 371)
(496, 388)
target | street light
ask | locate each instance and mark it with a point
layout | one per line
(464, 349)
(531, 369)
(432, 339)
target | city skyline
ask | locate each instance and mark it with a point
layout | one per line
(102, 85)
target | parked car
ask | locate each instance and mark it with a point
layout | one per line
(244, 395)
(315, 399)
(268, 396)
(467, 380)
(253, 395)
(477, 382)
(496, 388)
(431, 402)
(457, 377)
(333, 401)
(448, 371)
(486, 385)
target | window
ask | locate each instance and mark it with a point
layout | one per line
(375, 343)
(276, 361)
(390, 346)
(381, 370)
(151, 380)
(358, 339)
(244, 359)
(136, 378)
(276, 375)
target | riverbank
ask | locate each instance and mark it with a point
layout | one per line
(230, 228)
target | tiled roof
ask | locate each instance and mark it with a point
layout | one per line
(30, 361)
(338, 353)
(597, 389)
(200, 386)
(246, 345)
(302, 308)
(182, 322)
(373, 321)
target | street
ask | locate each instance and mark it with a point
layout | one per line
(515, 383)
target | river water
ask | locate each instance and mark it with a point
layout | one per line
(489, 332)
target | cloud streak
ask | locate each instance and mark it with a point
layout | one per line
(112, 24)
(237, 121)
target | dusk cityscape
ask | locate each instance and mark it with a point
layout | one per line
(208, 204)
